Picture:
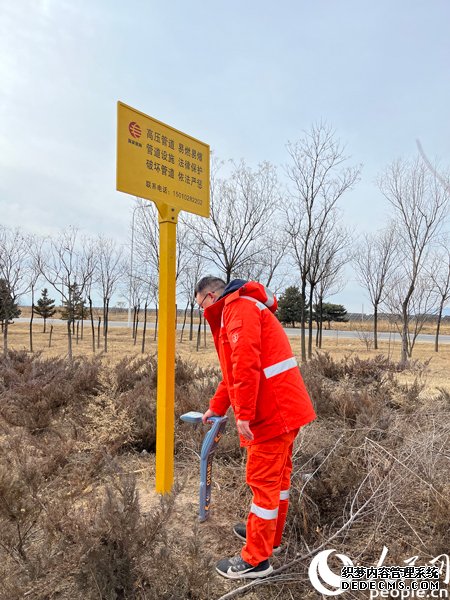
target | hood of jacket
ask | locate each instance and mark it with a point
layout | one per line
(258, 291)
(234, 290)
(233, 286)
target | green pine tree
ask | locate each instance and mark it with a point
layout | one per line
(290, 306)
(45, 306)
(8, 308)
(331, 312)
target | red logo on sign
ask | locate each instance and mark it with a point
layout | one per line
(135, 130)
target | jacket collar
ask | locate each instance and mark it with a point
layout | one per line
(213, 313)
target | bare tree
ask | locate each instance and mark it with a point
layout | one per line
(67, 268)
(269, 266)
(421, 304)
(318, 180)
(146, 244)
(375, 264)
(35, 245)
(188, 276)
(110, 269)
(440, 276)
(420, 203)
(140, 291)
(86, 277)
(326, 274)
(146, 235)
(14, 273)
(144, 330)
(90, 283)
(242, 207)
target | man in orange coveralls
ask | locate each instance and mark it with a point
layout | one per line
(263, 384)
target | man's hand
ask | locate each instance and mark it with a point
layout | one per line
(207, 415)
(244, 429)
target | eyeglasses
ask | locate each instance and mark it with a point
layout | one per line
(206, 295)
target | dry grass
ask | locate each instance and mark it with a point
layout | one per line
(120, 346)
(383, 324)
(78, 512)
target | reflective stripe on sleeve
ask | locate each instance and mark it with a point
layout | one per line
(280, 367)
(270, 297)
(284, 495)
(259, 304)
(264, 513)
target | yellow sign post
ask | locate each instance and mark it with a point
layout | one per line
(170, 168)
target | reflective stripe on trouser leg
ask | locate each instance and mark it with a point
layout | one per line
(264, 513)
(284, 493)
(266, 464)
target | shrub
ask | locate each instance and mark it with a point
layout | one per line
(130, 371)
(34, 389)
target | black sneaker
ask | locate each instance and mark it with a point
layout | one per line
(240, 530)
(237, 568)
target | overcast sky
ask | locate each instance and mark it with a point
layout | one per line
(244, 77)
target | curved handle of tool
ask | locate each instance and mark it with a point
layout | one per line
(209, 445)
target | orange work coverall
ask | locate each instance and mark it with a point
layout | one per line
(263, 384)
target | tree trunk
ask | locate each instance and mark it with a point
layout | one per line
(138, 308)
(91, 314)
(31, 320)
(82, 322)
(50, 337)
(69, 339)
(438, 326)
(98, 332)
(45, 322)
(303, 322)
(104, 317)
(145, 329)
(106, 323)
(199, 331)
(310, 321)
(191, 326)
(78, 331)
(156, 324)
(133, 330)
(404, 349)
(320, 321)
(184, 322)
(5, 337)
(375, 326)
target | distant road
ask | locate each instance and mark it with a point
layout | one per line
(329, 333)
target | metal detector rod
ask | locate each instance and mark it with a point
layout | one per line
(209, 445)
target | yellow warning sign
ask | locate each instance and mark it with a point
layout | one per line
(160, 163)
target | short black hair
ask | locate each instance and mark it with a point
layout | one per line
(209, 282)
